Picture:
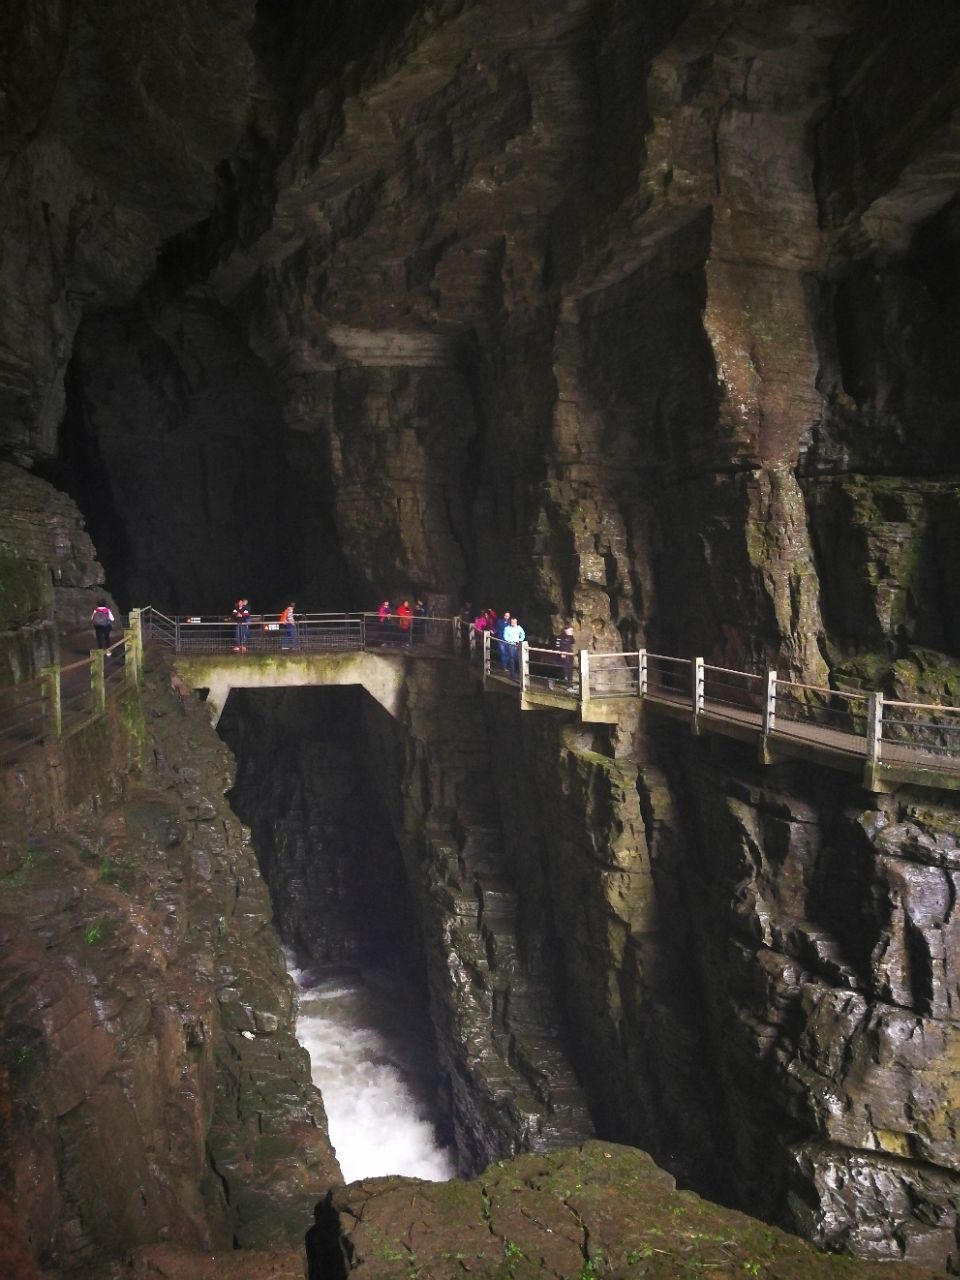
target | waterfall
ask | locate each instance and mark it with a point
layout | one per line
(371, 1056)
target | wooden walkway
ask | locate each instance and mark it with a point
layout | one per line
(882, 741)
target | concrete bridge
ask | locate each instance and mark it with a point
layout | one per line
(381, 674)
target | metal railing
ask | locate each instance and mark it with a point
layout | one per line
(267, 633)
(61, 700)
(802, 706)
(668, 677)
(934, 727)
(836, 722)
(610, 675)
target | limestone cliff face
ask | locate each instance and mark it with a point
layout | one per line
(641, 314)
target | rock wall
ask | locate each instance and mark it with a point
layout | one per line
(158, 1093)
(758, 969)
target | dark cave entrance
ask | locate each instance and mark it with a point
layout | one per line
(193, 488)
(343, 909)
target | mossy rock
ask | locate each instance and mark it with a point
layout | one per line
(600, 1210)
(26, 592)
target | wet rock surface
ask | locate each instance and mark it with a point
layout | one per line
(158, 1092)
(602, 1210)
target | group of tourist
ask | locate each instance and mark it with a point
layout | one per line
(506, 637)
(241, 617)
(404, 625)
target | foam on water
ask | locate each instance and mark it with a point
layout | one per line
(371, 1076)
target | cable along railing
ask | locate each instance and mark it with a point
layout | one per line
(892, 742)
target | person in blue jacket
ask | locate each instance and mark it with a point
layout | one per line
(502, 652)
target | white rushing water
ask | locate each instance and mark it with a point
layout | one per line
(373, 1073)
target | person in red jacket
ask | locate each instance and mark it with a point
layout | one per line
(404, 613)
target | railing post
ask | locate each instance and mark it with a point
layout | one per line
(699, 680)
(134, 647)
(50, 677)
(524, 667)
(363, 632)
(584, 677)
(768, 719)
(98, 682)
(874, 742)
(875, 728)
(486, 655)
(770, 705)
(642, 674)
(457, 634)
(176, 634)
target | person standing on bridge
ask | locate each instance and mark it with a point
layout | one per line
(288, 621)
(565, 645)
(241, 616)
(404, 613)
(419, 622)
(497, 638)
(102, 619)
(513, 637)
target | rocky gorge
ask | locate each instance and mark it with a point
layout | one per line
(639, 315)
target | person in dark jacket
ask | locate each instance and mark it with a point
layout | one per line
(241, 616)
(419, 622)
(565, 644)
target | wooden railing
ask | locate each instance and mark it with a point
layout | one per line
(61, 700)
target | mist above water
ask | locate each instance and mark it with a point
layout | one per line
(374, 1067)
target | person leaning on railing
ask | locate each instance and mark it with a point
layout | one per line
(288, 621)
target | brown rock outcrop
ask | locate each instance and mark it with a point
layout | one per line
(158, 1091)
(602, 1210)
